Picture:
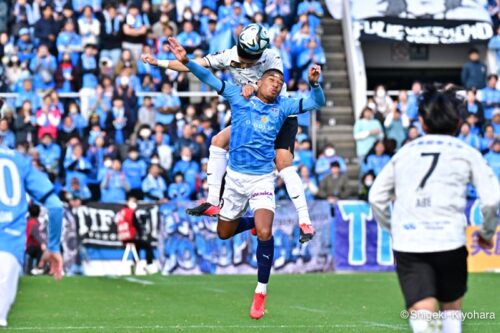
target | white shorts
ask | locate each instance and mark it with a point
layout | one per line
(243, 190)
(10, 270)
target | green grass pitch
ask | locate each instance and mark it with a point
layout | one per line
(296, 303)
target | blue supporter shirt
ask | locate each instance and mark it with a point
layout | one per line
(493, 160)
(490, 97)
(134, 171)
(19, 178)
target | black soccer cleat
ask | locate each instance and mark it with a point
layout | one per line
(204, 209)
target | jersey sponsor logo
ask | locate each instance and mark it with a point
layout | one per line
(264, 119)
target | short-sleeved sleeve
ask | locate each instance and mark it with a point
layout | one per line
(218, 60)
(37, 184)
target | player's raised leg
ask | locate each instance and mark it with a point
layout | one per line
(285, 143)
(10, 269)
(216, 168)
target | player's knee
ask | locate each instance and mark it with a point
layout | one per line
(224, 234)
(220, 141)
(264, 233)
(284, 159)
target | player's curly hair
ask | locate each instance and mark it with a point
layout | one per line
(441, 109)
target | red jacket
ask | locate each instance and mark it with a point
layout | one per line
(125, 224)
(33, 237)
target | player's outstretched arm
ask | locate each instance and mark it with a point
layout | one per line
(203, 74)
(40, 188)
(53, 256)
(174, 65)
(317, 99)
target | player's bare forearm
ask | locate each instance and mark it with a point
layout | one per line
(203, 74)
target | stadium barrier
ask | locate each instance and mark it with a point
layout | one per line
(361, 245)
(348, 240)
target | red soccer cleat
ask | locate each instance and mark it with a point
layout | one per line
(307, 232)
(253, 231)
(205, 208)
(258, 306)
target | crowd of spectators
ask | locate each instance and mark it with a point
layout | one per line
(386, 124)
(112, 141)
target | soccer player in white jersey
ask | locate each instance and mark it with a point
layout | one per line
(250, 175)
(428, 179)
(246, 69)
(18, 177)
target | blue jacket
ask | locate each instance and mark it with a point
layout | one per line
(49, 156)
(179, 192)
(473, 75)
(493, 160)
(190, 170)
(135, 171)
(114, 187)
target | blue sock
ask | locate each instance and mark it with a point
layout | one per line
(246, 223)
(265, 255)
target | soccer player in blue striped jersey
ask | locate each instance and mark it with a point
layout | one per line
(250, 175)
(17, 178)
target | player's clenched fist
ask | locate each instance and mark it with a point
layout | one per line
(313, 74)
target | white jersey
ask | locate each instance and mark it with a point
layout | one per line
(428, 178)
(241, 73)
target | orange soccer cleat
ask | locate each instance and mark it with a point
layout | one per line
(205, 208)
(307, 232)
(258, 306)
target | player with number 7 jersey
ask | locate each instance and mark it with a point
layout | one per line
(18, 177)
(428, 179)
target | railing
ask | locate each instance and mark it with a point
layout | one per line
(355, 62)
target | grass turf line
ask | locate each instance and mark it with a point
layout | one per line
(296, 303)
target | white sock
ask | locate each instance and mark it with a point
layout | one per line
(3, 323)
(216, 167)
(295, 190)
(420, 322)
(452, 321)
(261, 288)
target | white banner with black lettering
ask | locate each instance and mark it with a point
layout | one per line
(422, 21)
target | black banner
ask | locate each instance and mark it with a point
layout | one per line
(96, 224)
(422, 31)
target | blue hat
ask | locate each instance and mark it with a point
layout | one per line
(24, 31)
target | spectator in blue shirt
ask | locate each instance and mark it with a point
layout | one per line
(490, 96)
(276, 8)
(495, 122)
(313, 54)
(50, 154)
(412, 108)
(494, 44)
(251, 8)
(310, 184)
(87, 68)
(146, 144)
(467, 137)
(78, 5)
(474, 71)
(166, 105)
(7, 138)
(493, 158)
(154, 186)
(305, 154)
(144, 68)
(27, 93)
(111, 34)
(188, 167)
(314, 11)
(238, 16)
(135, 170)
(114, 186)
(25, 45)
(376, 159)
(76, 165)
(487, 139)
(43, 66)
(474, 106)
(189, 38)
(69, 41)
(179, 190)
(326, 158)
(226, 10)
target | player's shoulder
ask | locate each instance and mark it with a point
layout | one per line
(224, 54)
(20, 160)
(270, 58)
